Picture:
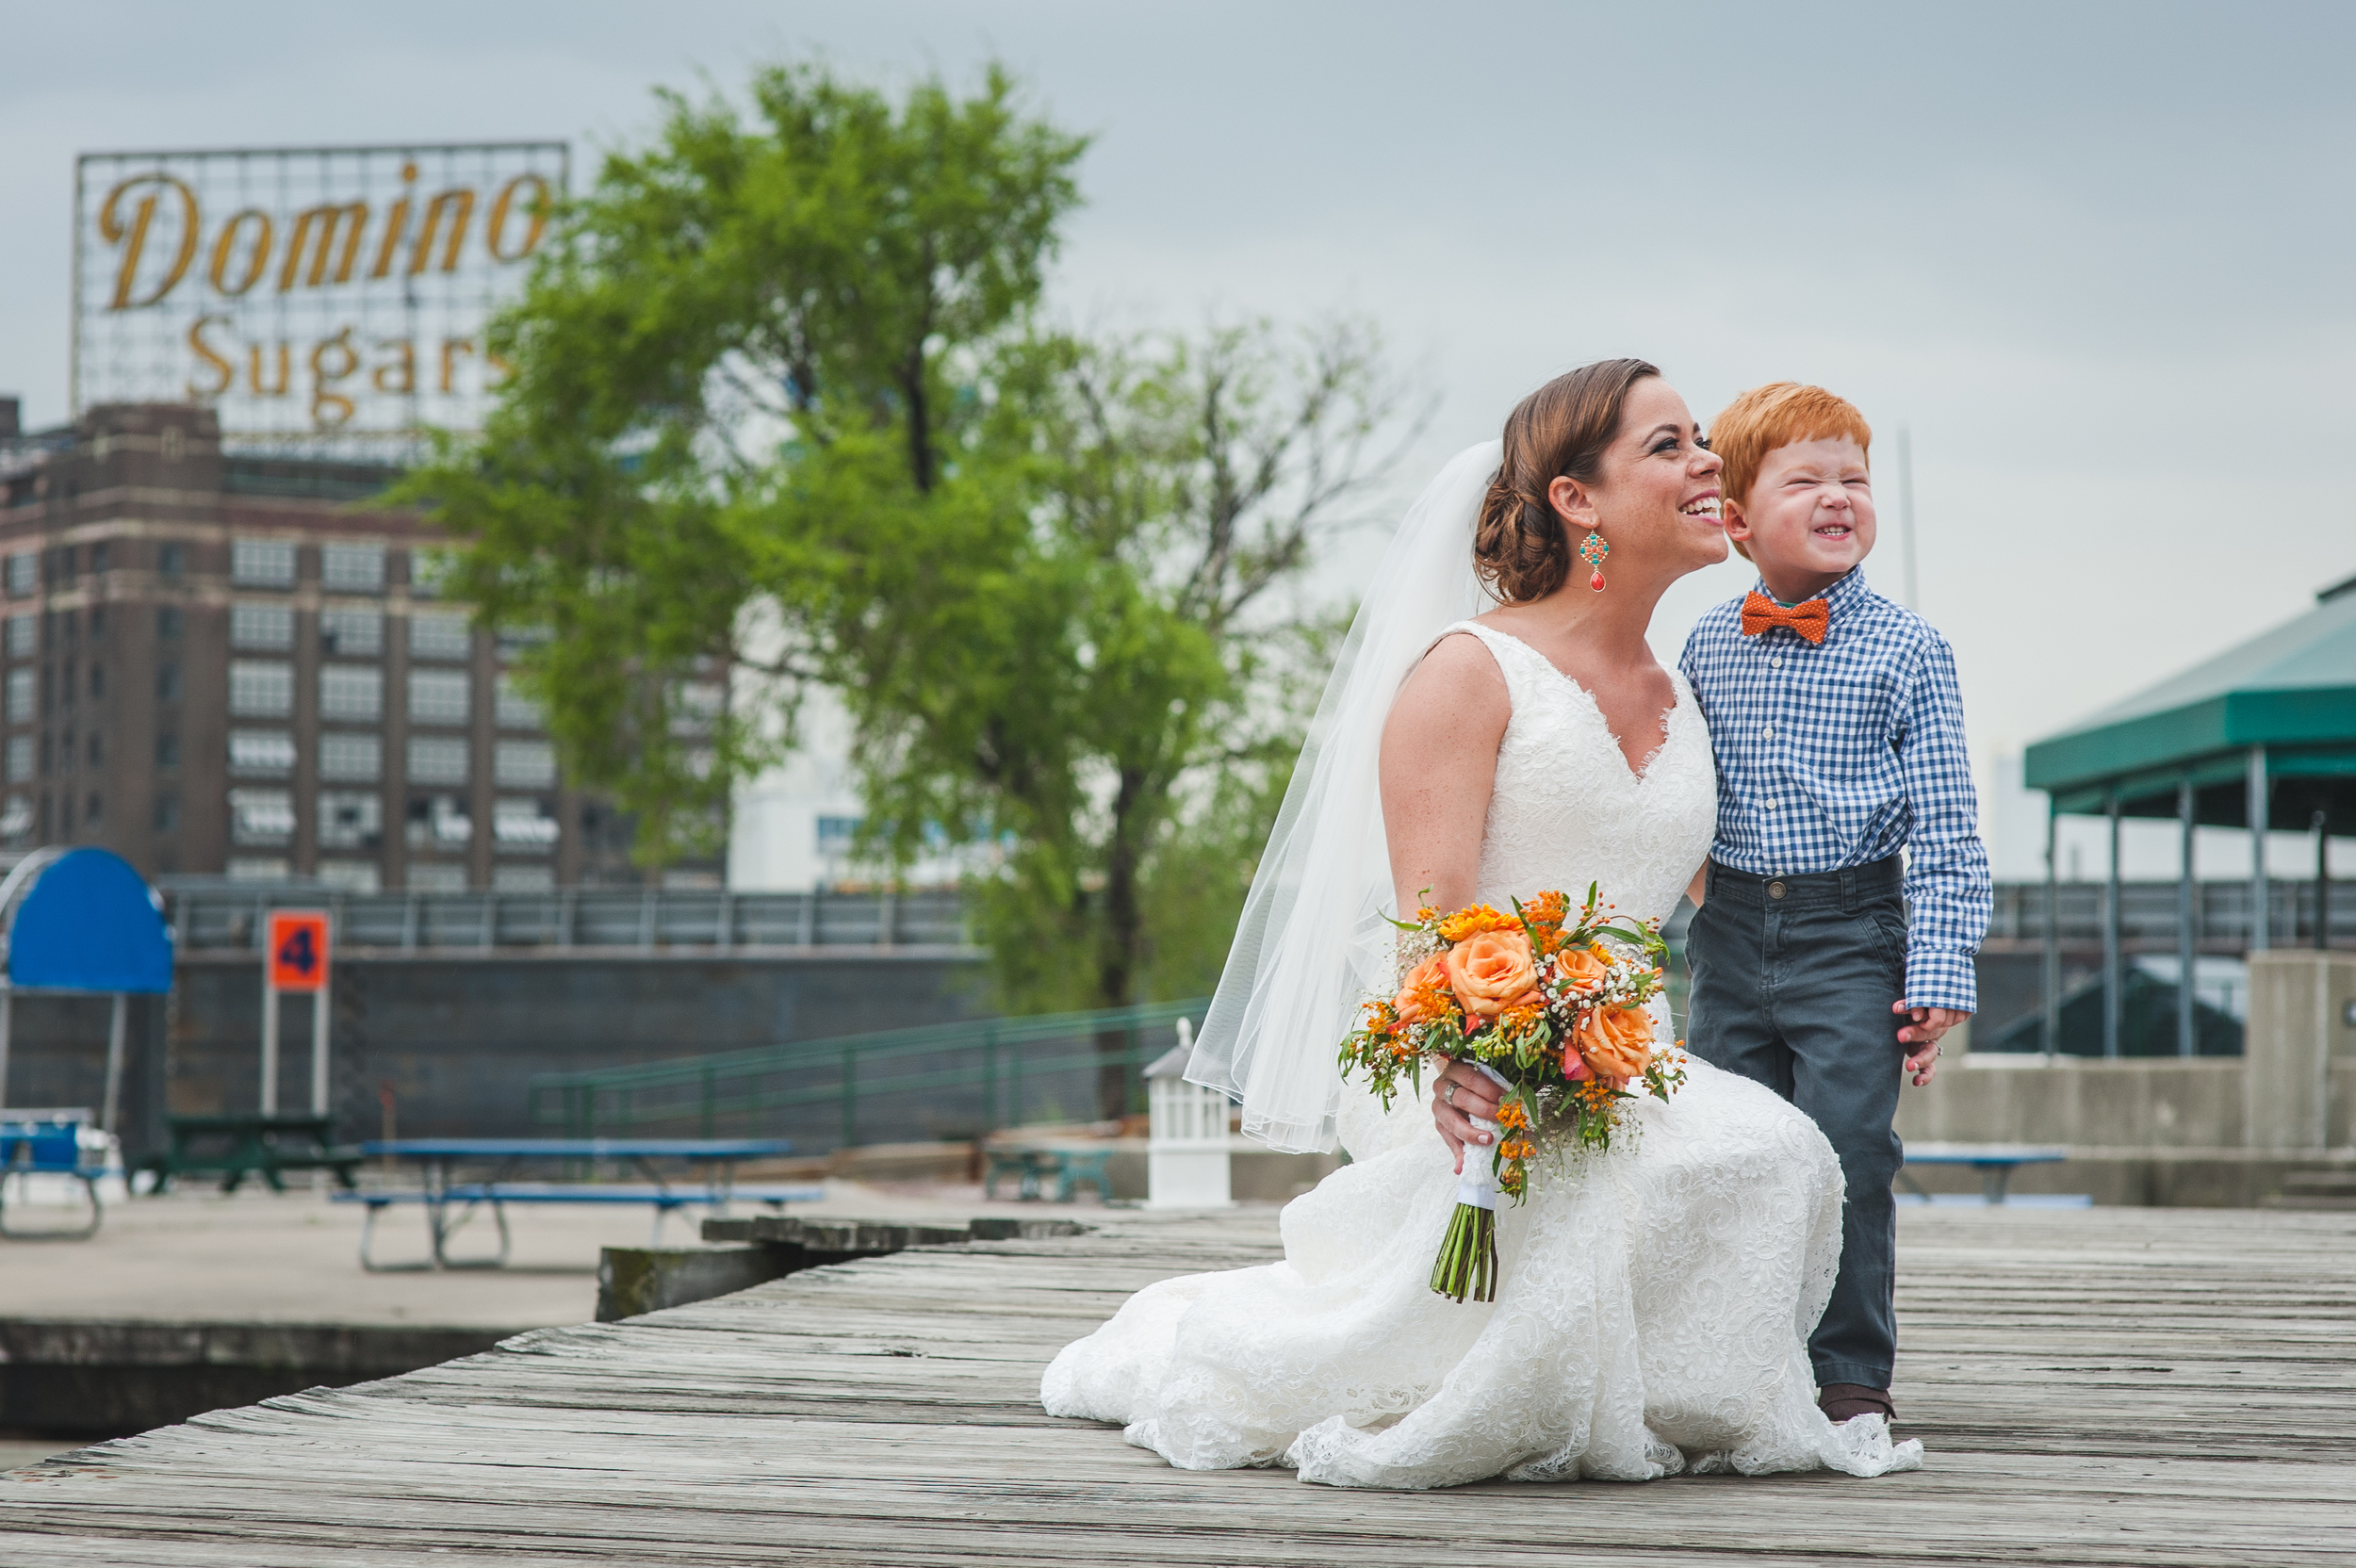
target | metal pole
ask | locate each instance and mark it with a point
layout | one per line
(1905, 515)
(2052, 933)
(269, 1042)
(2112, 980)
(117, 1031)
(320, 1015)
(2187, 890)
(2323, 881)
(7, 1017)
(2258, 825)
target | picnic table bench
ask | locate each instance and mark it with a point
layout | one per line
(1032, 1164)
(450, 1202)
(234, 1145)
(1995, 1162)
(49, 1143)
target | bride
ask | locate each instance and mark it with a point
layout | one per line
(1656, 1299)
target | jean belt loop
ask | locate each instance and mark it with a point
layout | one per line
(1848, 889)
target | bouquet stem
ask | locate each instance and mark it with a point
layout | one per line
(1468, 1264)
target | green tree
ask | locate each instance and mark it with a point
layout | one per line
(789, 290)
(783, 408)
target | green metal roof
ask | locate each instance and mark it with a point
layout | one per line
(2292, 688)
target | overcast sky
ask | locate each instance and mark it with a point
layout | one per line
(2096, 257)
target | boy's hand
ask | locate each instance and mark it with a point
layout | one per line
(1920, 1038)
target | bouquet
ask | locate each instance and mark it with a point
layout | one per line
(1553, 1009)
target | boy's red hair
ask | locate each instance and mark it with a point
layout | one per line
(1773, 416)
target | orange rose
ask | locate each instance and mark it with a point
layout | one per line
(1583, 967)
(1414, 1003)
(1615, 1042)
(1490, 970)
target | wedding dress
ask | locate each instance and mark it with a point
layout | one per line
(1656, 1299)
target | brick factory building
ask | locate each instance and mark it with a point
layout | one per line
(229, 664)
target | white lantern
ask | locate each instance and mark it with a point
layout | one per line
(1185, 1155)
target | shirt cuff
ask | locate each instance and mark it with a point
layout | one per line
(1942, 978)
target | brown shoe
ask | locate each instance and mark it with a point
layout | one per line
(1840, 1401)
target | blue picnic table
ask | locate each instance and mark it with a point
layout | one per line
(49, 1143)
(1995, 1162)
(461, 1177)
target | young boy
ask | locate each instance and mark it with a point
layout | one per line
(1838, 733)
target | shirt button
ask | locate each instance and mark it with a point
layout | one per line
(1766, 805)
(1776, 889)
(1769, 732)
(1777, 663)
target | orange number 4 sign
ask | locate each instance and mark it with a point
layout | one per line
(297, 949)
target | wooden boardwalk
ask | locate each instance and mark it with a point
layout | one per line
(2106, 1386)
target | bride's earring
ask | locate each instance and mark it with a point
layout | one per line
(1592, 552)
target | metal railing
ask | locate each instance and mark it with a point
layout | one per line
(2147, 913)
(225, 917)
(949, 1081)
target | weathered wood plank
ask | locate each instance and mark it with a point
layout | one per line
(2130, 1387)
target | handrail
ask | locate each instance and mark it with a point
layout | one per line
(750, 1087)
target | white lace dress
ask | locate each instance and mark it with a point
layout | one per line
(1656, 1299)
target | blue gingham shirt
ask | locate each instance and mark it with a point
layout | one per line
(1845, 754)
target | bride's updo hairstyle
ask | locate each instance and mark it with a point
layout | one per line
(1521, 550)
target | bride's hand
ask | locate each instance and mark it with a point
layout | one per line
(1461, 1094)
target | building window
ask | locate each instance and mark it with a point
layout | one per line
(352, 691)
(261, 816)
(351, 757)
(97, 680)
(426, 876)
(171, 561)
(23, 574)
(257, 868)
(168, 681)
(352, 633)
(24, 635)
(435, 761)
(168, 622)
(261, 625)
(514, 709)
(167, 750)
(523, 879)
(24, 701)
(94, 811)
(440, 636)
(262, 563)
(426, 572)
(351, 819)
(99, 557)
(20, 758)
(261, 753)
(695, 706)
(522, 827)
(261, 688)
(353, 568)
(350, 876)
(524, 765)
(97, 750)
(440, 821)
(437, 696)
(835, 834)
(167, 811)
(16, 821)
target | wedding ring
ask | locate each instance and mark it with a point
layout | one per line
(1448, 1093)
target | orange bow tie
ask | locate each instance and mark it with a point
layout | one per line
(1808, 618)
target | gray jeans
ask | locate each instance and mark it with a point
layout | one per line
(1792, 983)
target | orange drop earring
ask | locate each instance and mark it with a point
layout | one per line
(1592, 552)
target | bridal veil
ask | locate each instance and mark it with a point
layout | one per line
(1312, 943)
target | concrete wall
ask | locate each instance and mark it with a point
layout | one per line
(2210, 1131)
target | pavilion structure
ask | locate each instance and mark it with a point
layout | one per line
(2262, 737)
